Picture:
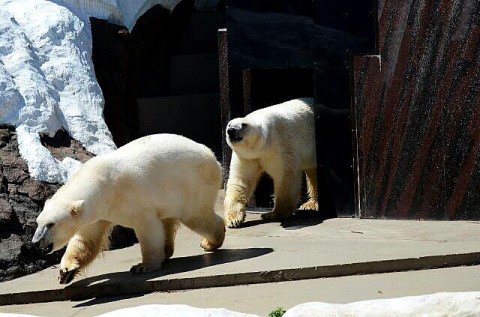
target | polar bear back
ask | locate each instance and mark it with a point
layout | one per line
(290, 110)
(295, 120)
(169, 162)
(164, 172)
(167, 148)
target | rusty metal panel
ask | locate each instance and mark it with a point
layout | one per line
(417, 113)
(224, 102)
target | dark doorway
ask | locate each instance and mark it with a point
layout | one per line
(269, 38)
(259, 88)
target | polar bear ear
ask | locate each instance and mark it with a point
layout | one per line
(76, 207)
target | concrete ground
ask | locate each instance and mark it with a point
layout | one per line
(265, 265)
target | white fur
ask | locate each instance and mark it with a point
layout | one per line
(139, 186)
(280, 141)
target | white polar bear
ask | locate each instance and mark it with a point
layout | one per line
(149, 185)
(280, 141)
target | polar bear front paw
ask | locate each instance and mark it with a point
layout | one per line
(141, 268)
(207, 246)
(234, 220)
(309, 205)
(66, 275)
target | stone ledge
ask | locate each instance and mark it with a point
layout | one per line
(126, 284)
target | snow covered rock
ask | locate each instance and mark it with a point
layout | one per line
(466, 304)
(47, 78)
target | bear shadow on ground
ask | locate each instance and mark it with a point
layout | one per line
(300, 219)
(170, 266)
(305, 218)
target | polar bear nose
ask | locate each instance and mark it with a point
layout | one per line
(40, 235)
(231, 131)
(234, 128)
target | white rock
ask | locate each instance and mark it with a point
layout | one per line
(173, 311)
(462, 304)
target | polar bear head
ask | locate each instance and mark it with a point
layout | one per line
(57, 223)
(247, 137)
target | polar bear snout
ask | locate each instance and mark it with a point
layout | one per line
(236, 132)
(41, 238)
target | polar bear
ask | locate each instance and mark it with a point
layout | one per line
(150, 185)
(280, 141)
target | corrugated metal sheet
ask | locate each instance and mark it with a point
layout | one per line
(417, 112)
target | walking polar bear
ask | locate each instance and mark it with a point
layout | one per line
(280, 141)
(150, 185)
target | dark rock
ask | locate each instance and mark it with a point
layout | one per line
(3, 182)
(6, 212)
(12, 188)
(11, 249)
(14, 168)
(4, 136)
(62, 145)
(36, 190)
(25, 209)
(11, 147)
(11, 157)
(14, 175)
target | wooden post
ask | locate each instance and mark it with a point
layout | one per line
(247, 108)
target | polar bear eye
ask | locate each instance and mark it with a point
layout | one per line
(244, 125)
(50, 225)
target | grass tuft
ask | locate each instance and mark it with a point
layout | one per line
(277, 312)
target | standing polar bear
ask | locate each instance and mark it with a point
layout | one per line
(280, 141)
(150, 185)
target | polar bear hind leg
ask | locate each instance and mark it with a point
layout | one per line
(312, 202)
(287, 193)
(170, 226)
(210, 226)
(200, 216)
(152, 237)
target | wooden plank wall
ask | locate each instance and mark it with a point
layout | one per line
(417, 113)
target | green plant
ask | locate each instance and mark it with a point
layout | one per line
(277, 312)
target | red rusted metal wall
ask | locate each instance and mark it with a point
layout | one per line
(417, 113)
